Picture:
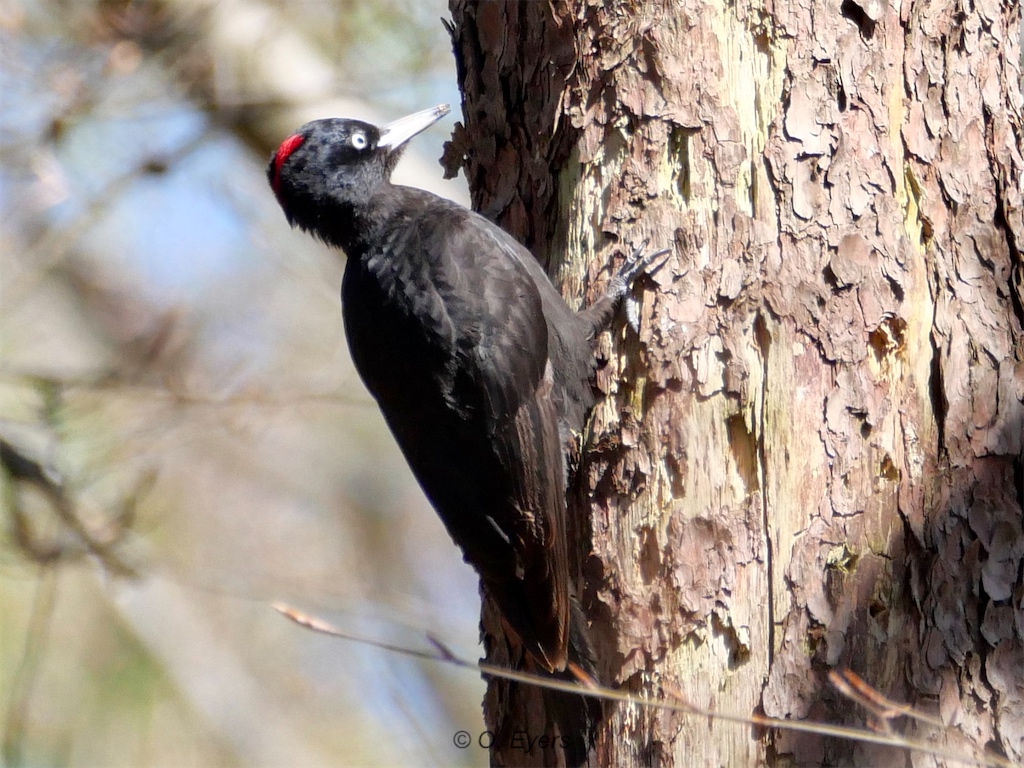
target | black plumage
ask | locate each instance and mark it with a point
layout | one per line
(480, 368)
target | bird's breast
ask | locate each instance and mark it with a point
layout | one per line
(399, 331)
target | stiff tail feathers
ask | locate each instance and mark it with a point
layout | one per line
(576, 716)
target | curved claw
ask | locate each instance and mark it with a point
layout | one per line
(600, 313)
(636, 265)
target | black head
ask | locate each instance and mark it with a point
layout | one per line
(331, 166)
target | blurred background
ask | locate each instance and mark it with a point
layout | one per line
(183, 438)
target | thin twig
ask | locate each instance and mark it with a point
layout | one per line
(677, 704)
(855, 688)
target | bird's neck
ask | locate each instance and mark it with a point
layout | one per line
(352, 223)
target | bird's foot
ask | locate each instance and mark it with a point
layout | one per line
(637, 264)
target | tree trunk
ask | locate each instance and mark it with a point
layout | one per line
(811, 457)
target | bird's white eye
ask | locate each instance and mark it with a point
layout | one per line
(358, 140)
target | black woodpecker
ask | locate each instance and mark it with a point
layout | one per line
(480, 368)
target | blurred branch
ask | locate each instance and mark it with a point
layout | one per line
(115, 383)
(99, 541)
(263, 76)
(53, 247)
(256, 48)
(23, 680)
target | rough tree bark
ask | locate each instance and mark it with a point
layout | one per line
(811, 458)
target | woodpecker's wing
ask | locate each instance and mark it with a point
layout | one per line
(508, 376)
(501, 338)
